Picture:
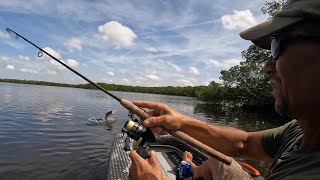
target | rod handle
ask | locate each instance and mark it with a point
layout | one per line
(178, 134)
(134, 109)
(204, 148)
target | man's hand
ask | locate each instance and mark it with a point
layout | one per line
(214, 169)
(162, 116)
(144, 169)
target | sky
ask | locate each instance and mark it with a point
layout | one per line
(129, 42)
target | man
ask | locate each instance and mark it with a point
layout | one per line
(293, 36)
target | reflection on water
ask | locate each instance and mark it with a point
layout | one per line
(44, 135)
(49, 112)
(246, 120)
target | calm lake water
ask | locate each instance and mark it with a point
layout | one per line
(44, 135)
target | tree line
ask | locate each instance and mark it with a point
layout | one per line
(168, 90)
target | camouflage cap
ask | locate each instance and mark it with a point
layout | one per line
(292, 12)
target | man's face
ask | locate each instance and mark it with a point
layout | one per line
(296, 78)
(281, 99)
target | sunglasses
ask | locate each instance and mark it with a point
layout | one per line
(278, 41)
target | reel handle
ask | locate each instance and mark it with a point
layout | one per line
(142, 151)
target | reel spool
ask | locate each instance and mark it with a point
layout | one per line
(136, 131)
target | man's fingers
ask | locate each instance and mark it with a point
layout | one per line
(136, 158)
(153, 159)
(152, 122)
(131, 170)
(157, 130)
(147, 104)
(149, 111)
(163, 132)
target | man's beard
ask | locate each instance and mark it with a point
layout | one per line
(282, 108)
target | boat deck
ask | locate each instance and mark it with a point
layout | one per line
(169, 151)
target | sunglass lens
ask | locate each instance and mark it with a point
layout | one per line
(275, 47)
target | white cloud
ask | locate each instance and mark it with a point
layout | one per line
(185, 82)
(84, 65)
(56, 64)
(164, 64)
(72, 63)
(30, 71)
(194, 71)
(74, 44)
(240, 19)
(4, 35)
(175, 67)
(10, 67)
(151, 49)
(3, 59)
(224, 64)
(52, 72)
(119, 35)
(106, 80)
(153, 77)
(178, 75)
(110, 73)
(50, 51)
(24, 58)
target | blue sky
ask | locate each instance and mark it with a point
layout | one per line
(132, 42)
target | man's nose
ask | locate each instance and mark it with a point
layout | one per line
(269, 66)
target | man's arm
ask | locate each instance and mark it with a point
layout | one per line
(230, 141)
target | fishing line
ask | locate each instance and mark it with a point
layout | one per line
(136, 110)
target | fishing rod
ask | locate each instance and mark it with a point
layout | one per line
(135, 109)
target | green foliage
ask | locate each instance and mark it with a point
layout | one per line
(251, 85)
(169, 90)
(272, 7)
(243, 84)
(18, 81)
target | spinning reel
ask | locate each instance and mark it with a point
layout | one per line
(136, 131)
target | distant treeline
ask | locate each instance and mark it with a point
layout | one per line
(214, 93)
(168, 90)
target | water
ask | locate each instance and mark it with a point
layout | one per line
(44, 132)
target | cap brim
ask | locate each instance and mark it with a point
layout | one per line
(261, 33)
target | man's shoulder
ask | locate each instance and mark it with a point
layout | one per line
(281, 131)
(297, 165)
(292, 163)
